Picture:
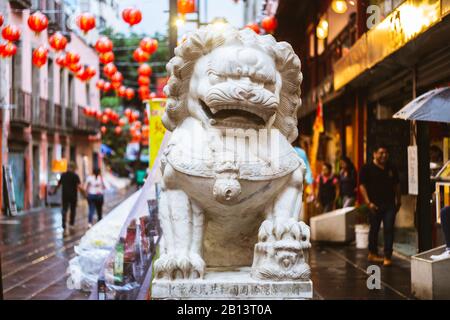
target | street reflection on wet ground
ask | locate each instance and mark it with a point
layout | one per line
(35, 257)
(35, 254)
(340, 272)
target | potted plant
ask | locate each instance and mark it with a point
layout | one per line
(362, 227)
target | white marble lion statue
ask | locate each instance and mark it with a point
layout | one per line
(232, 183)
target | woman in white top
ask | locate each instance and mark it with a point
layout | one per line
(95, 188)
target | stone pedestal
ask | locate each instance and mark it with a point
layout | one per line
(231, 284)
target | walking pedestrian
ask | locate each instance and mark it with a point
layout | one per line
(328, 188)
(71, 184)
(95, 187)
(347, 183)
(445, 220)
(380, 189)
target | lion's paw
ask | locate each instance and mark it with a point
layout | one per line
(282, 251)
(173, 267)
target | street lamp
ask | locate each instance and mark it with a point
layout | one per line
(180, 21)
(219, 23)
(339, 6)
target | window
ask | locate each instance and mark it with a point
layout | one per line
(88, 94)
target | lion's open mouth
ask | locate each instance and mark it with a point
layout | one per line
(232, 116)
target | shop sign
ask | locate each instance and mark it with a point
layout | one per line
(413, 171)
(156, 127)
(410, 19)
(59, 166)
(351, 65)
(445, 7)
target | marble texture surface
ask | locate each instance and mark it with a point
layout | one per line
(231, 284)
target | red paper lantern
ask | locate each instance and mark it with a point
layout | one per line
(110, 69)
(254, 27)
(86, 22)
(135, 115)
(137, 125)
(108, 112)
(75, 68)
(129, 94)
(103, 129)
(149, 45)
(132, 16)
(58, 42)
(107, 57)
(186, 6)
(105, 119)
(116, 85)
(269, 24)
(140, 55)
(100, 84)
(72, 58)
(107, 87)
(1, 19)
(145, 70)
(11, 33)
(61, 61)
(143, 81)
(8, 49)
(90, 72)
(122, 122)
(144, 93)
(145, 131)
(81, 75)
(117, 77)
(40, 56)
(103, 45)
(38, 22)
(122, 91)
(118, 130)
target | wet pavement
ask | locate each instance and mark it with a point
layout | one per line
(35, 257)
(35, 254)
(340, 272)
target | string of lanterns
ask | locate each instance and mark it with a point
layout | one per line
(38, 22)
(269, 24)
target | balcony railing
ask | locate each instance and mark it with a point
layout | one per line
(58, 116)
(22, 113)
(85, 123)
(43, 112)
(68, 123)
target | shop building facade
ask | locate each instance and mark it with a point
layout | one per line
(363, 65)
(42, 114)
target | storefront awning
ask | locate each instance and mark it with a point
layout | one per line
(432, 106)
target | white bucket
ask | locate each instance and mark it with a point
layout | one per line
(362, 236)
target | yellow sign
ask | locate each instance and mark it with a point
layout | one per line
(156, 127)
(405, 23)
(59, 166)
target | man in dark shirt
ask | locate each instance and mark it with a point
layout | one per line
(380, 189)
(70, 183)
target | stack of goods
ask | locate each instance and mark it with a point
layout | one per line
(128, 264)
